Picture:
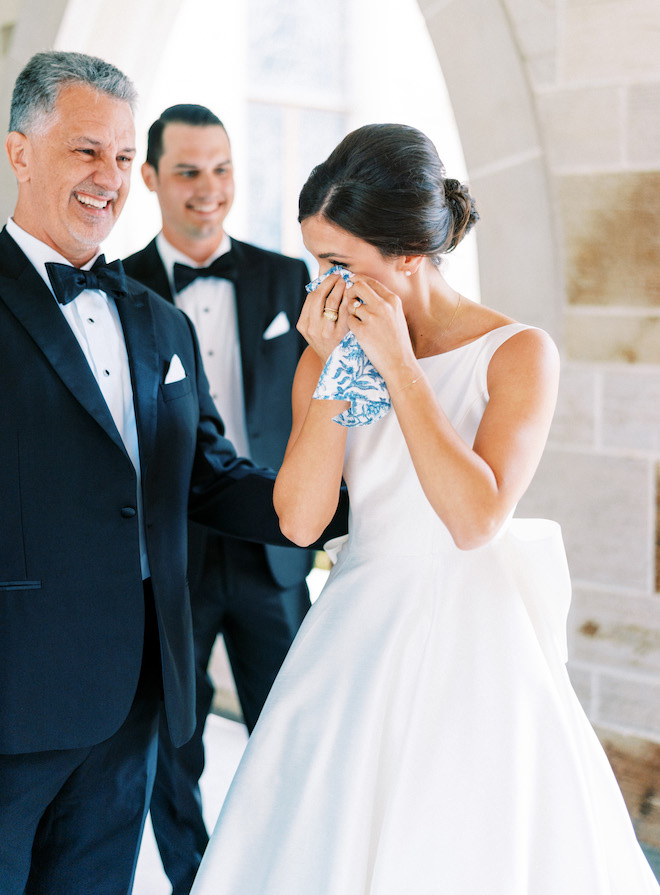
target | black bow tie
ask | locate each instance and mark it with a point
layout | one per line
(68, 282)
(224, 268)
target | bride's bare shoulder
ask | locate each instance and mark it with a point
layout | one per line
(477, 320)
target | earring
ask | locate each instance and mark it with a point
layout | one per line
(409, 273)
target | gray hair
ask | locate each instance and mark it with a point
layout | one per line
(38, 86)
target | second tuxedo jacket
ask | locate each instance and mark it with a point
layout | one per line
(270, 286)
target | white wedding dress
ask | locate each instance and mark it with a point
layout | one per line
(422, 737)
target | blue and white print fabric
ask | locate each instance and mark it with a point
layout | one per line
(349, 375)
(343, 273)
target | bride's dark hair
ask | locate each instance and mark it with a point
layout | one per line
(385, 184)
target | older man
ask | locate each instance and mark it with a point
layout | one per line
(109, 438)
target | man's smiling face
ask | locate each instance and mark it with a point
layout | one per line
(75, 172)
(194, 183)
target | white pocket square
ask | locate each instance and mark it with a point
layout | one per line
(175, 370)
(279, 325)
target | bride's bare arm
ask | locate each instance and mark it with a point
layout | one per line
(307, 486)
(473, 489)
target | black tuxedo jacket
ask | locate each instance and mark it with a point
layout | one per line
(268, 284)
(71, 596)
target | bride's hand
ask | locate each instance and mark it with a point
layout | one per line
(380, 326)
(316, 323)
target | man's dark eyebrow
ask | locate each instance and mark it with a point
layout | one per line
(191, 166)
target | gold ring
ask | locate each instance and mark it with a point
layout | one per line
(330, 314)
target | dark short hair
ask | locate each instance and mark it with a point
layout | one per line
(385, 184)
(184, 113)
(38, 86)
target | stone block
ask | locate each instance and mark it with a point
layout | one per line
(642, 128)
(574, 422)
(601, 337)
(579, 128)
(582, 679)
(611, 236)
(630, 704)
(486, 80)
(617, 630)
(657, 528)
(517, 245)
(603, 505)
(636, 765)
(609, 40)
(631, 410)
(535, 25)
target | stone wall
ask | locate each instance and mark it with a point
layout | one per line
(558, 105)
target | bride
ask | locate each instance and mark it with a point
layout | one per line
(422, 735)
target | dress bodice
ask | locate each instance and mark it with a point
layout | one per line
(389, 511)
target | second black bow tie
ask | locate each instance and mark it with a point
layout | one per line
(224, 268)
(68, 282)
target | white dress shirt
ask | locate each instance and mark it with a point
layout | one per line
(95, 323)
(211, 305)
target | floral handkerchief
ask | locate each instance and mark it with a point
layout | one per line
(343, 273)
(349, 375)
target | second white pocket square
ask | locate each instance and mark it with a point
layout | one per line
(279, 325)
(175, 370)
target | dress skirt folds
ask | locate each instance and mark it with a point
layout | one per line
(423, 736)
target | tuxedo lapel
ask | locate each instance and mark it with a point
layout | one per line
(146, 266)
(30, 301)
(155, 275)
(251, 282)
(138, 325)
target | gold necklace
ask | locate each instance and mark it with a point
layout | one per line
(446, 329)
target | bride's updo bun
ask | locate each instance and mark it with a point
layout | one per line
(463, 209)
(385, 184)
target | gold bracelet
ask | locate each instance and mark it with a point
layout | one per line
(410, 383)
